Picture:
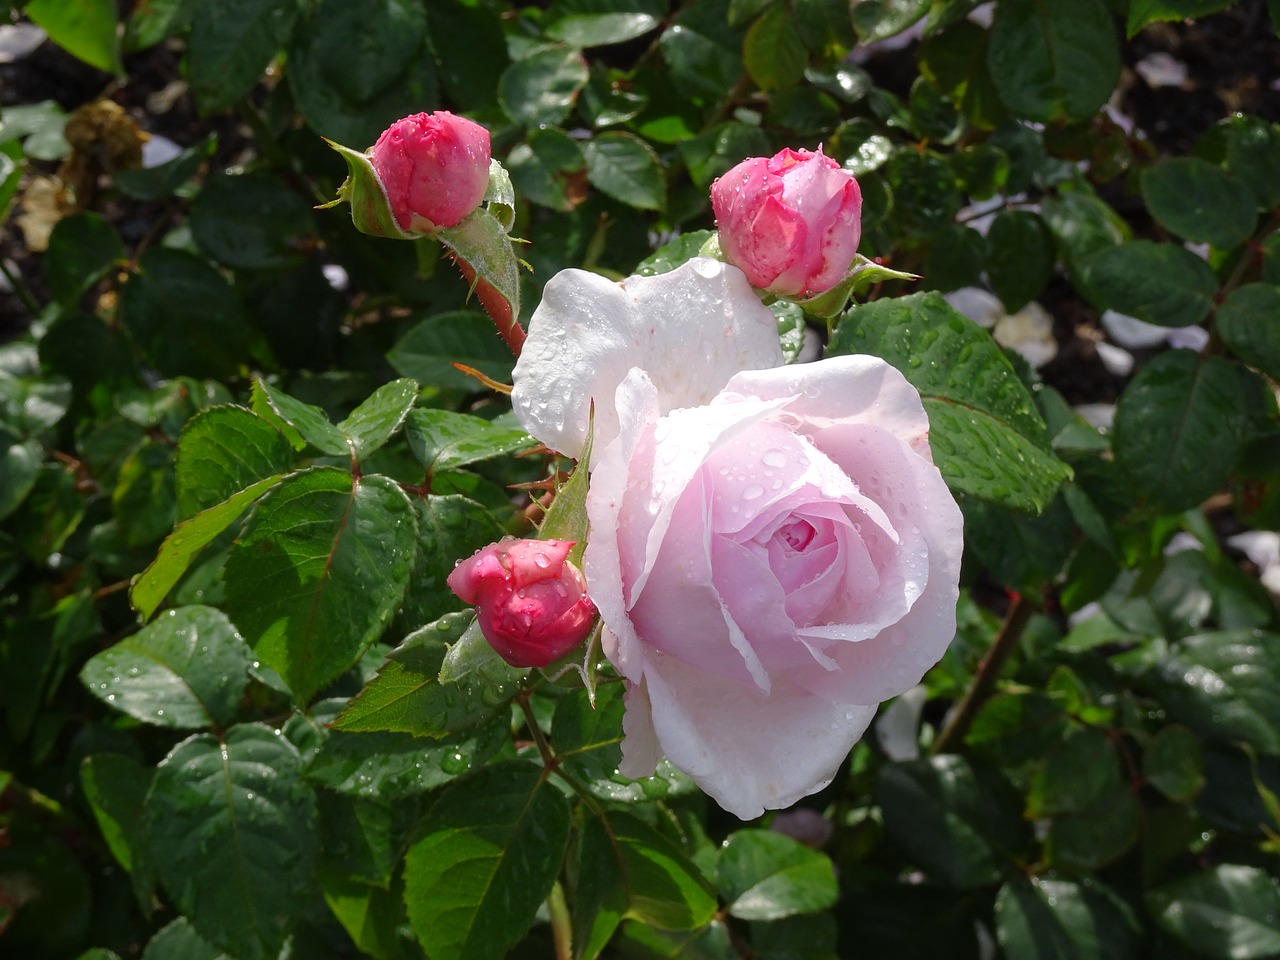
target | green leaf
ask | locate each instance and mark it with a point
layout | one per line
(82, 248)
(491, 849)
(186, 670)
(1230, 912)
(1145, 12)
(882, 19)
(19, 468)
(714, 152)
(772, 52)
(39, 126)
(364, 47)
(548, 169)
(1249, 323)
(86, 29)
(390, 767)
(116, 787)
(156, 20)
(1044, 919)
(370, 915)
(311, 423)
(230, 46)
(179, 941)
(625, 868)
(408, 696)
(427, 351)
(223, 450)
(955, 258)
(231, 827)
(624, 167)
(1161, 283)
(1173, 763)
(1222, 685)
(767, 876)
(539, 90)
(939, 813)
(443, 440)
(1020, 257)
(595, 23)
(1179, 425)
(181, 547)
(321, 566)
(1083, 223)
(1199, 201)
(1253, 157)
(252, 220)
(373, 423)
(1054, 62)
(482, 241)
(987, 437)
(700, 51)
(184, 316)
(1087, 841)
(1074, 776)
(673, 253)
(322, 92)
(165, 179)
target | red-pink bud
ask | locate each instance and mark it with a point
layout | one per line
(790, 222)
(531, 602)
(434, 167)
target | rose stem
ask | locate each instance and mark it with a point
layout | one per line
(497, 306)
(561, 925)
(984, 681)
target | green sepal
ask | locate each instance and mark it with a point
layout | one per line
(370, 207)
(481, 240)
(566, 518)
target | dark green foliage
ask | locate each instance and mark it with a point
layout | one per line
(241, 714)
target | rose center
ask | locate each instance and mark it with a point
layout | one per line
(797, 534)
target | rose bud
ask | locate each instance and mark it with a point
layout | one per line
(790, 222)
(434, 168)
(531, 602)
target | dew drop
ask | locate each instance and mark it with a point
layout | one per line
(753, 492)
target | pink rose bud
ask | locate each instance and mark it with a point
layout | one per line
(531, 602)
(434, 167)
(790, 222)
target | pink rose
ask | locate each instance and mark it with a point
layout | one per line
(434, 168)
(769, 567)
(790, 222)
(531, 602)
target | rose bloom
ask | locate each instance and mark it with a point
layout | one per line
(531, 602)
(434, 168)
(790, 222)
(770, 561)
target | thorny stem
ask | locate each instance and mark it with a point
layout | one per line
(984, 681)
(497, 306)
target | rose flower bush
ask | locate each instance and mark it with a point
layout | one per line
(772, 551)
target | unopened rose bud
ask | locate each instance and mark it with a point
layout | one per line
(434, 168)
(531, 602)
(790, 222)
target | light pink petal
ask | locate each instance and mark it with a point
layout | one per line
(748, 751)
(860, 388)
(927, 519)
(690, 329)
(637, 406)
(640, 748)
